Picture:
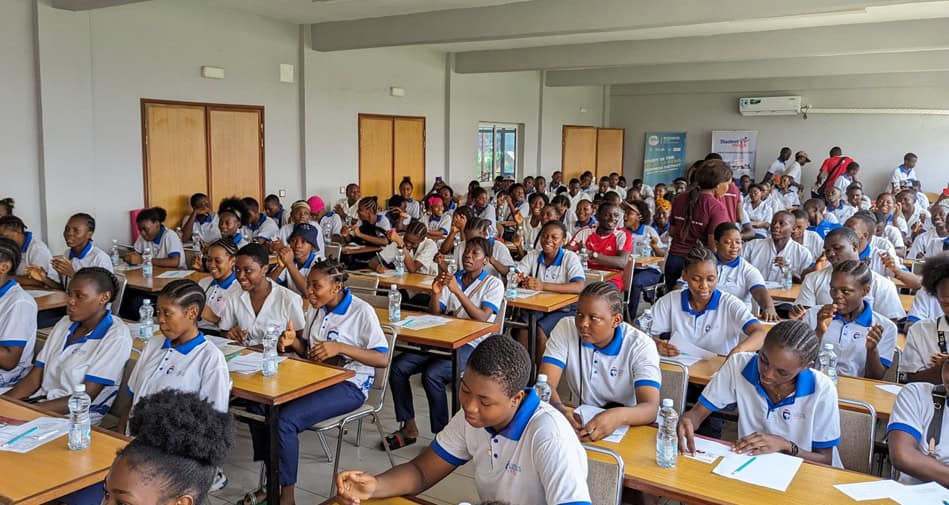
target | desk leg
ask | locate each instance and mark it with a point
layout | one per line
(455, 381)
(273, 458)
(532, 342)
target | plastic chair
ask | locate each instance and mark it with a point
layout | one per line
(122, 282)
(857, 432)
(604, 475)
(675, 383)
(333, 251)
(367, 284)
(891, 374)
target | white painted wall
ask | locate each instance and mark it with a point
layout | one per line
(562, 107)
(877, 142)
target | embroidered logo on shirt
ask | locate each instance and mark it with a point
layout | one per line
(614, 371)
(512, 468)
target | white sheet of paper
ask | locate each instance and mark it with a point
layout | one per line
(685, 346)
(218, 341)
(526, 293)
(707, 451)
(774, 471)
(38, 293)
(588, 412)
(422, 322)
(873, 490)
(774, 285)
(134, 329)
(48, 429)
(249, 363)
(891, 388)
(175, 274)
(684, 359)
(922, 494)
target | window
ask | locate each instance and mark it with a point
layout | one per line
(497, 150)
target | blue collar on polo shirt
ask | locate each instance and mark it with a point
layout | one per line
(260, 222)
(204, 220)
(344, 304)
(638, 231)
(279, 217)
(805, 384)
(97, 333)
(161, 234)
(226, 283)
(238, 238)
(186, 347)
(712, 304)
(308, 262)
(460, 274)
(613, 348)
(865, 253)
(518, 204)
(83, 253)
(865, 318)
(525, 411)
(558, 260)
(491, 241)
(662, 229)
(905, 170)
(839, 206)
(27, 238)
(590, 222)
(6, 287)
(732, 264)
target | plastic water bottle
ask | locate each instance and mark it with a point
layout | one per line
(667, 438)
(146, 320)
(542, 388)
(395, 304)
(645, 322)
(451, 267)
(647, 250)
(270, 350)
(147, 262)
(196, 247)
(828, 362)
(457, 240)
(525, 240)
(787, 279)
(399, 262)
(116, 258)
(79, 424)
(327, 231)
(178, 231)
(511, 293)
(584, 258)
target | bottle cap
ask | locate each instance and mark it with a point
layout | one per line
(79, 388)
(667, 403)
(393, 287)
(146, 302)
(541, 377)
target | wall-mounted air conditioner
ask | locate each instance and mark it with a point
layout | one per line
(770, 106)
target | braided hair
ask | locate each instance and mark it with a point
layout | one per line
(795, 336)
(859, 270)
(608, 292)
(10, 251)
(103, 279)
(185, 293)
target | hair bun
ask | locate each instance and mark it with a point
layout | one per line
(182, 424)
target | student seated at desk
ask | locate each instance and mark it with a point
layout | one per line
(644, 237)
(811, 241)
(549, 268)
(413, 207)
(296, 258)
(736, 275)
(777, 377)
(300, 214)
(274, 210)
(202, 223)
(704, 315)
(926, 348)
(609, 247)
(878, 253)
(373, 228)
(263, 302)
(771, 255)
(528, 227)
(836, 205)
(87, 346)
(347, 206)
(863, 339)
(912, 433)
(456, 233)
(468, 294)
(437, 222)
(522, 449)
(259, 227)
(17, 319)
(343, 330)
(932, 242)
(396, 216)
(80, 253)
(222, 283)
(232, 217)
(481, 207)
(605, 362)
(33, 252)
(499, 256)
(418, 251)
(166, 247)
(330, 222)
(817, 219)
(584, 217)
(911, 219)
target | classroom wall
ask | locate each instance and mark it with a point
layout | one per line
(562, 106)
(877, 142)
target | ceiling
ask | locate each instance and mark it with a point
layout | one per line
(319, 11)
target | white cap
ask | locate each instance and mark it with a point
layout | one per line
(667, 403)
(79, 388)
(146, 301)
(541, 377)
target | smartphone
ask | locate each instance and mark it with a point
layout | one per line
(945, 191)
(438, 179)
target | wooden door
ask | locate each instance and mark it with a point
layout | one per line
(409, 153)
(579, 151)
(236, 153)
(375, 156)
(175, 157)
(609, 151)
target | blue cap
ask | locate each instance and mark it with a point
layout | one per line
(308, 232)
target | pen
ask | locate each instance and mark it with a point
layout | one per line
(743, 465)
(20, 436)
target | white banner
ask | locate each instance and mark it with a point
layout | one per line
(737, 148)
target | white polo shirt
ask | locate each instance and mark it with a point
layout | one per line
(813, 243)
(928, 244)
(333, 222)
(815, 290)
(413, 208)
(763, 212)
(90, 256)
(99, 357)
(738, 277)
(912, 413)
(850, 339)
(810, 417)
(165, 245)
(794, 170)
(17, 329)
(842, 211)
(488, 212)
(716, 329)
(264, 229)
(486, 291)
(280, 307)
(641, 238)
(925, 306)
(901, 175)
(906, 225)
(790, 197)
(194, 367)
(565, 268)
(207, 230)
(436, 223)
(777, 167)
(536, 459)
(500, 253)
(34, 252)
(284, 278)
(893, 235)
(922, 341)
(424, 253)
(352, 322)
(762, 253)
(611, 374)
(352, 211)
(216, 294)
(871, 253)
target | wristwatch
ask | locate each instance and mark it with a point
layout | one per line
(594, 255)
(794, 449)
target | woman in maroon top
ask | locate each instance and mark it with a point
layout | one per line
(696, 213)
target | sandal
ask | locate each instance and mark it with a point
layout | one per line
(251, 498)
(398, 440)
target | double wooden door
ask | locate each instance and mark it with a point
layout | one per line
(599, 150)
(391, 148)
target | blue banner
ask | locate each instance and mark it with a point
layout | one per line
(663, 157)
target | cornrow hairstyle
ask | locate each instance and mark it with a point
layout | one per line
(251, 203)
(859, 270)
(185, 293)
(195, 197)
(721, 229)
(416, 228)
(369, 202)
(104, 280)
(257, 252)
(935, 270)
(180, 441)
(90, 221)
(535, 196)
(795, 336)
(503, 360)
(699, 254)
(475, 224)
(331, 268)
(708, 175)
(481, 243)
(645, 215)
(608, 292)
(10, 251)
(228, 245)
(235, 206)
(845, 233)
(12, 223)
(154, 214)
(464, 210)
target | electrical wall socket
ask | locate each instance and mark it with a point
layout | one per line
(282, 193)
(342, 190)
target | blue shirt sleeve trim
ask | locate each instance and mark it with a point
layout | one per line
(578, 278)
(383, 350)
(39, 364)
(576, 503)
(490, 306)
(905, 428)
(129, 392)
(98, 380)
(704, 401)
(553, 361)
(174, 254)
(646, 383)
(756, 286)
(443, 307)
(912, 319)
(13, 343)
(887, 363)
(447, 456)
(825, 445)
(745, 326)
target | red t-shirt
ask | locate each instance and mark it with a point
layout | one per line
(831, 167)
(604, 245)
(708, 213)
(731, 200)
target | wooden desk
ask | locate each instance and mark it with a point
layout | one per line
(415, 282)
(358, 249)
(646, 261)
(398, 500)
(693, 482)
(54, 300)
(52, 471)
(445, 340)
(544, 302)
(295, 378)
(594, 275)
(154, 284)
(789, 295)
(850, 388)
